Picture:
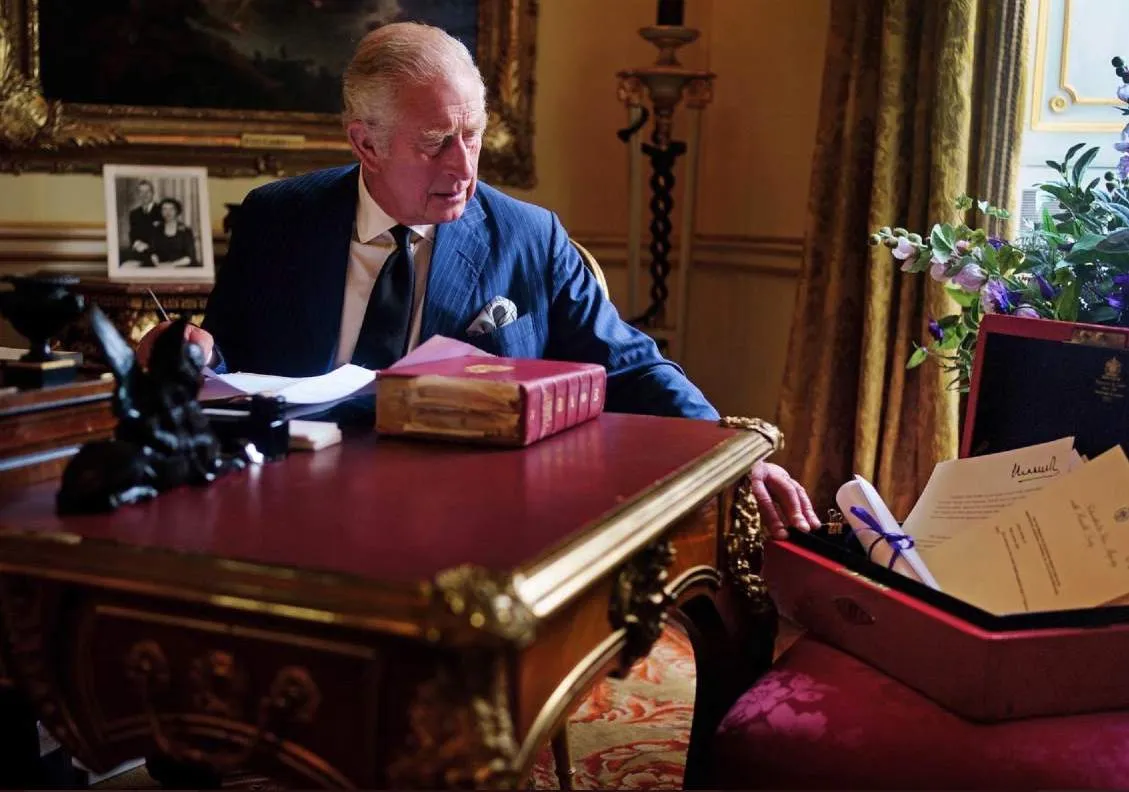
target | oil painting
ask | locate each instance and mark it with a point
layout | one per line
(242, 87)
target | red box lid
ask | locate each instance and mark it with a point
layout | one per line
(1036, 380)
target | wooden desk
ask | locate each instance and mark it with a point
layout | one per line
(387, 613)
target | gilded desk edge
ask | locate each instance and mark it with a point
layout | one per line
(464, 605)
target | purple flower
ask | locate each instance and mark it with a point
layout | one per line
(939, 271)
(1119, 297)
(1045, 288)
(1027, 312)
(905, 250)
(971, 277)
(996, 242)
(935, 330)
(995, 297)
(1123, 167)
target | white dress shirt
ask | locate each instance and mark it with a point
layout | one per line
(371, 246)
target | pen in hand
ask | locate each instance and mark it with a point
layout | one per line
(161, 308)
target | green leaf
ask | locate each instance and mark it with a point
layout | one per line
(942, 238)
(1120, 211)
(1048, 221)
(1101, 314)
(1070, 152)
(961, 297)
(1116, 243)
(1085, 249)
(919, 356)
(1063, 194)
(950, 342)
(1068, 302)
(1056, 166)
(1083, 163)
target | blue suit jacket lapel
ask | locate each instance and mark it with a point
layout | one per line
(328, 265)
(457, 260)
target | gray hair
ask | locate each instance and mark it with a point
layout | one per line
(393, 57)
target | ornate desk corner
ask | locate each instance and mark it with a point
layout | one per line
(471, 605)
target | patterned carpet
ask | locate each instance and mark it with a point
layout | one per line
(633, 733)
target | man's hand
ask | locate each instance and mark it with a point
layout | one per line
(782, 501)
(197, 335)
(140, 246)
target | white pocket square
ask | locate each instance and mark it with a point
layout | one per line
(499, 312)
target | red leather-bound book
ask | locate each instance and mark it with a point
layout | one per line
(495, 400)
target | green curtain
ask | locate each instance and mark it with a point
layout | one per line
(920, 102)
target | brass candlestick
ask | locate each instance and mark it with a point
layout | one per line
(665, 84)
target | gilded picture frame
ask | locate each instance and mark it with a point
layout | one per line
(42, 133)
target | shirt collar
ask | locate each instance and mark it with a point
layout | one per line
(372, 221)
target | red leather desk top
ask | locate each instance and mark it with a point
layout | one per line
(397, 510)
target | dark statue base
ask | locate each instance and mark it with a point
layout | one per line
(261, 421)
(26, 375)
(163, 438)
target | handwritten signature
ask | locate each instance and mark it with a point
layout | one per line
(1020, 471)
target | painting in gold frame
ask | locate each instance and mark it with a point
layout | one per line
(44, 132)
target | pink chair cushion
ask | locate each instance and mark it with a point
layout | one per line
(822, 719)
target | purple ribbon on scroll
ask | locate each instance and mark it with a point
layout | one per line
(898, 541)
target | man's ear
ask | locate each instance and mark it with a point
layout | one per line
(361, 142)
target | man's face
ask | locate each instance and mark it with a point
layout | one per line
(430, 168)
(146, 194)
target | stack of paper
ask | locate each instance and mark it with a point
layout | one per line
(1033, 529)
(341, 383)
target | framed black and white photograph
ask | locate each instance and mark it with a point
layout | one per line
(157, 224)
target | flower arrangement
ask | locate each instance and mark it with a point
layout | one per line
(1073, 265)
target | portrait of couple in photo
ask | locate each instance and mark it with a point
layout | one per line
(157, 221)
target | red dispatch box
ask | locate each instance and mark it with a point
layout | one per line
(1033, 381)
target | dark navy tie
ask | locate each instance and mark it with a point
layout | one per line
(388, 318)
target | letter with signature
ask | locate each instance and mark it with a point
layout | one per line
(1065, 546)
(961, 492)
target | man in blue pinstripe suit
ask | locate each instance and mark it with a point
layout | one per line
(361, 263)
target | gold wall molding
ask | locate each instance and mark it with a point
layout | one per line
(81, 248)
(1057, 102)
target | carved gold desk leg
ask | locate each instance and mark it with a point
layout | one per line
(562, 756)
(732, 632)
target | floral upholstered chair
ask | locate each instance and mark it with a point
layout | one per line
(821, 719)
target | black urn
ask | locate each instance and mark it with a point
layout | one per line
(38, 307)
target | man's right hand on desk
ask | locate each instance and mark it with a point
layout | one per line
(197, 335)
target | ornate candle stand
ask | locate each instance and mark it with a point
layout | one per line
(666, 84)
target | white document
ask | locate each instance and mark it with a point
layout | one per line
(1064, 547)
(885, 547)
(338, 384)
(963, 492)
